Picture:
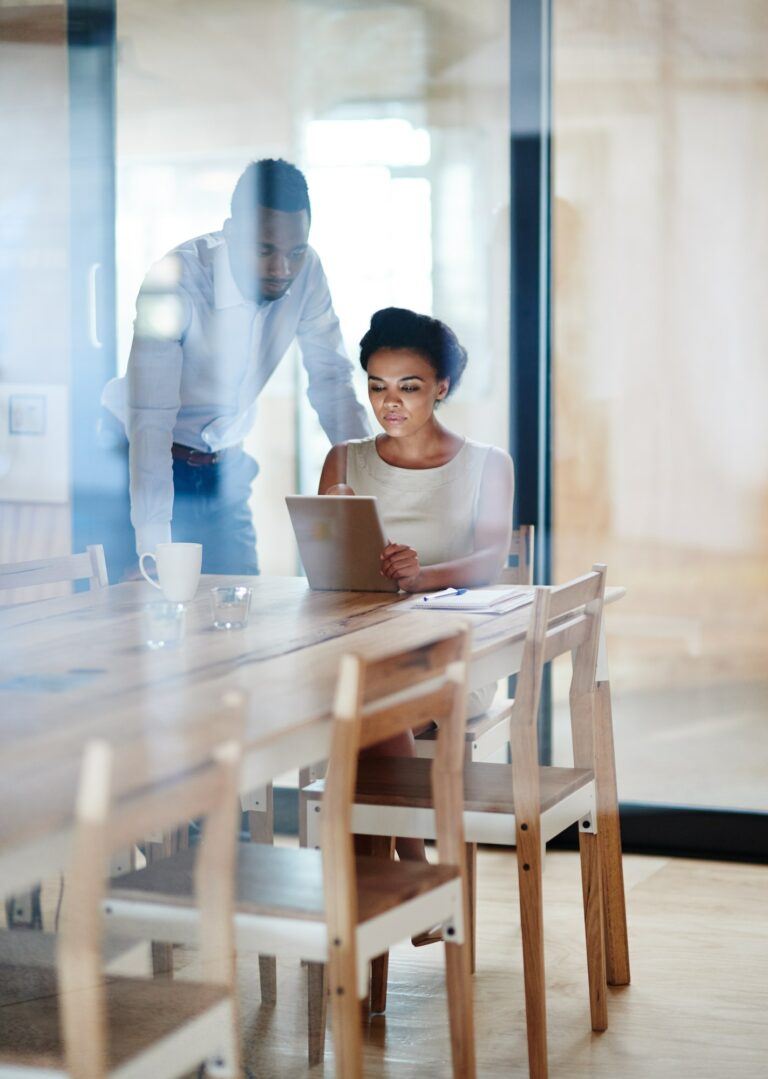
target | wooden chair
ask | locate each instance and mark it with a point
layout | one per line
(487, 735)
(338, 911)
(488, 732)
(90, 566)
(521, 557)
(524, 804)
(69, 1019)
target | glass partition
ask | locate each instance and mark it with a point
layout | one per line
(660, 238)
(398, 116)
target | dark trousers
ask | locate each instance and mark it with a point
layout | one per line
(210, 506)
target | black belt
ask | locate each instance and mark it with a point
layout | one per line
(199, 458)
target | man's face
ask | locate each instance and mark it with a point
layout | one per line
(266, 252)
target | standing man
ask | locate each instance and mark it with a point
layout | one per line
(213, 320)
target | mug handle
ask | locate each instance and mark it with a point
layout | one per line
(145, 575)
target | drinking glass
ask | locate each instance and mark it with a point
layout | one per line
(164, 624)
(230, 605)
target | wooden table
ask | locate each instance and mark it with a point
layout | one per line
(75, 668)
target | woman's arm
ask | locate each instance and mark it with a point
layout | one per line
(333, 478)
(491, 541)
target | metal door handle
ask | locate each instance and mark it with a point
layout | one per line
(93, 329)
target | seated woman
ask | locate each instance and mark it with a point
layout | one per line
(445, 501)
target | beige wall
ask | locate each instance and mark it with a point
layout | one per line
(34, 256)
(661, 241)
(661, 379)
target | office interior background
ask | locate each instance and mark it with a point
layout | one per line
(124, 126)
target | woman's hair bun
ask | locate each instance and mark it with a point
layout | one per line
(400, 328)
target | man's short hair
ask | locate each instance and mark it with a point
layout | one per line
(272, 183)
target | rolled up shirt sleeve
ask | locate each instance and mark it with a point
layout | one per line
(153, 401)
(330, 391)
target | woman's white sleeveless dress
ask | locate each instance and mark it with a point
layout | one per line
(433, 510)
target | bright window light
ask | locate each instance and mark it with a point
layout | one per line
(393, 143)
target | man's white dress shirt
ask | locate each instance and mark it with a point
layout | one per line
(201, 355)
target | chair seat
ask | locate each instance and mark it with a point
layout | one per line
(286, 882)
(35, 952)
(139, 1012)
(405, 781)
(478, 725)
(27, 965)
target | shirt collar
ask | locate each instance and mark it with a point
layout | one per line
(225, 290)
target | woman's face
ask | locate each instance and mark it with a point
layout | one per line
(403, 388)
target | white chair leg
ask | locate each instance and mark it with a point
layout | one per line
(122, 861)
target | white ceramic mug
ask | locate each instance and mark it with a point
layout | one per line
(178, 569)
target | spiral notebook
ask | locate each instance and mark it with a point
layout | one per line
(479, 600)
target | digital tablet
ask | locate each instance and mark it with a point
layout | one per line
(340, 540)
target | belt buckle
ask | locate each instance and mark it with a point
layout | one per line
(210, 458)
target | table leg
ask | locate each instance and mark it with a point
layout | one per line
(381, 847)
(471, 863)
(162, 952)
(609, 837)
(261, 828)
(317, 1006)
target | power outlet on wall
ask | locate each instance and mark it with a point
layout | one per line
(34, 443)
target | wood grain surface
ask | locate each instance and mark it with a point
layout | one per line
(76, 667)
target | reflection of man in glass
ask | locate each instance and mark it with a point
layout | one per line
(214, 319)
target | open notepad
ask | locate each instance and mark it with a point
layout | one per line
(479, 600)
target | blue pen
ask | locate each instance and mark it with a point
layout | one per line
(445, 592)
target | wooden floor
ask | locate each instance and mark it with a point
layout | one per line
(697, 1007)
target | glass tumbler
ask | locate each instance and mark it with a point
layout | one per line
(164, 624)
(230, 606)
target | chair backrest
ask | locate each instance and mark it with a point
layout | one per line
(521, 555)
(566, 618)
(90, 565)
(111, 815)
(376, 699)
